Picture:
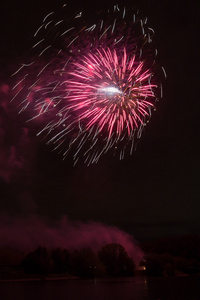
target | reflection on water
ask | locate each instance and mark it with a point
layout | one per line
(137, 288)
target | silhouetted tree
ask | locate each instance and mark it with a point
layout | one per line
(165, 256)
(84, 263)
(116, 260)
(154, 265)
(37, 262)
(60, 258)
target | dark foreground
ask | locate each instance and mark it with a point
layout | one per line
(137, 288)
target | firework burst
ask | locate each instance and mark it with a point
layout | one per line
(92, 88)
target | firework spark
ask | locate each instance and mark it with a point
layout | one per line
(92, 87)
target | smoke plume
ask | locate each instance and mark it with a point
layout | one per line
(28, 233)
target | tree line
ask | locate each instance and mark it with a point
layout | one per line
(172, 256)
(163, 257)
(111, 260)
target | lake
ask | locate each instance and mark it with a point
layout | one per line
(136, 288)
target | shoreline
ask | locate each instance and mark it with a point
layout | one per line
(53, 278)
(62, 278)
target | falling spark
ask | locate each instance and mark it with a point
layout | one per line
(92, 87)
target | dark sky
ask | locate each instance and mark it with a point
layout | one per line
(155, 192)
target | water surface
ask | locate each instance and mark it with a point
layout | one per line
(136, 288)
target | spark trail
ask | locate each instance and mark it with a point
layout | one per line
(93, 85)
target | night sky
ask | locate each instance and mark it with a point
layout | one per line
(153, 193)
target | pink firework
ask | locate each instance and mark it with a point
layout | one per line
(96, 87)
(110, 92)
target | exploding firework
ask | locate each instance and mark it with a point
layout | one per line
(93, 85)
